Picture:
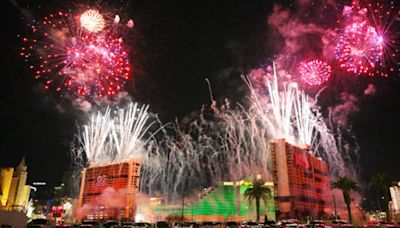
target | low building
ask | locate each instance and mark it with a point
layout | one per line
(225, 202)
(301, 181)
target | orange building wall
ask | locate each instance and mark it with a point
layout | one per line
(108, 192)
(308, 188)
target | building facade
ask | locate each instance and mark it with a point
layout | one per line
(395, 194)
(108, 192)
(301, 181)
(14, 191)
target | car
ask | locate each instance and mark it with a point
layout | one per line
(317, 224)
(269, 223)
(91, 224)
(127, 225)
(290, 223)
(194, 224)
(183, 225)
(387, 224)
(37, 223)
(379, 223)
(341, 223)
(162, 224)
(111, 224)
(141, 225)
(252, 224)
(207, 224)
(232, 224)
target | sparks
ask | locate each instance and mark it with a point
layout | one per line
(69, 60)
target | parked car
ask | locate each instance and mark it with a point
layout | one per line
(162, 224)
(37, 223)
(141, 225)
(194, 224)
(91, 224)
(269, 223)
(341, 223)
(232, 224)
(252, 224)
(127, 225)
(379, 223)
(111, 224)
(317, 224)
(290, 223)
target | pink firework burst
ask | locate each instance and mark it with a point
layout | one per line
(359, 49)
(315, 72)
(384, 16)
(68, 58)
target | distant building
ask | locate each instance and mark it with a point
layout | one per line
(395, 194)
(108, 192)
(301, 181)
(14, 191)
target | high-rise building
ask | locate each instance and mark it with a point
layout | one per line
(301, 181)
(108, 192)
(395, 194)
(15, 192)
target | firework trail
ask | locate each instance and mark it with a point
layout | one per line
(79, 57)
(95, 138)
(115, 138)
(130, 126)
(230, 147)
(306, 120)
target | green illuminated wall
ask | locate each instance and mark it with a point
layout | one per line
(223, 201)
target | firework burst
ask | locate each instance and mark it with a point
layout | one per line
(384, 16)
(92, 20)
(369, 42)
(359, 49)
(69, 58)
(315, 72)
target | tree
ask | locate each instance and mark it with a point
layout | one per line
(381, 182)
(257, 191)
(346, 185)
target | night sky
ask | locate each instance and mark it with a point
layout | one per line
(174, 46)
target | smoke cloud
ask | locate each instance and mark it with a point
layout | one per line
(370, 90)
(299, 35)
(342, 111)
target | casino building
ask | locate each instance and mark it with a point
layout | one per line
(108, 192)
(301, 181)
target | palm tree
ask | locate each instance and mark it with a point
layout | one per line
(346, 185)
(381, 182)
(257, 191)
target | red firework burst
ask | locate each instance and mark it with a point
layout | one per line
(315, 72)
(70, 59)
